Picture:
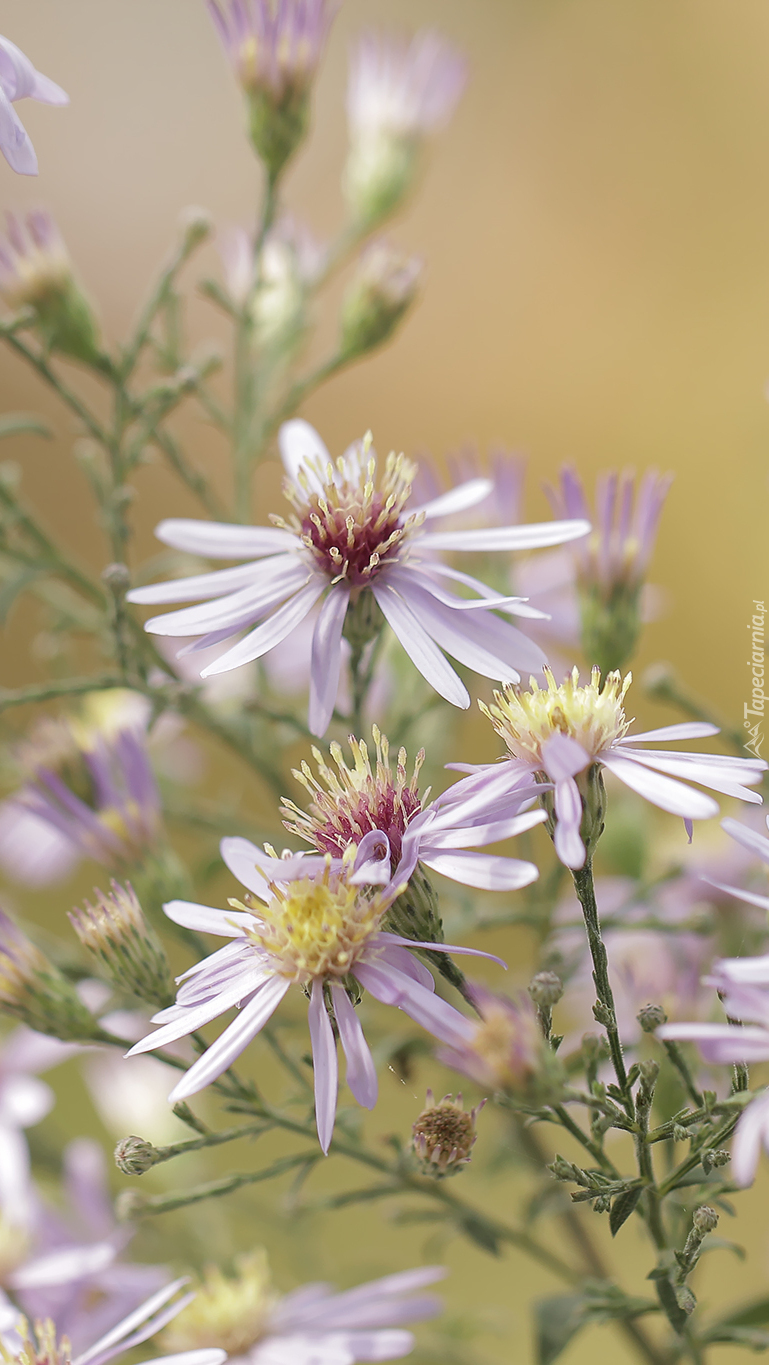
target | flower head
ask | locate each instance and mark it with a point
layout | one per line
(382, 289)
(274, 49)
(566, 734)
(290, 261)
(506, 1049)
(244, 1312)
(35, 992)
(399, 92)
(352, 802)
(316, 922)
(46, 1347)
(125, 945)
(36, 273)
(19, 80)
(612, 562)
(354, 541)
(88, 788)
(444, 1134)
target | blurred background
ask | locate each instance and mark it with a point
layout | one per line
(596, 227)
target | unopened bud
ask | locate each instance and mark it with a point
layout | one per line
(33, 991)
(685, 1299)
(649, 1071)
(115, 932)
(116, 577)
(712, 1157)
(196, 224)
(650, 1017)
(134, 1155)
(37, 274)
(546, 989)
(602, 1204)
(381, 291)
(444, 1135)
(705, 1219)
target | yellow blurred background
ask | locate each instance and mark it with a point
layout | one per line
(596, 226)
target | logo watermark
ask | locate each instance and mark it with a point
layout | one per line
(754, 710)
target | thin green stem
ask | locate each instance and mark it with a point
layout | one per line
(67, 687)
(585, 888)
(681, 1065)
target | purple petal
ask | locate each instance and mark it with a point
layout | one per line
(664, 792)
(231, 1043)
(271, 632)
(361, 1072)
(421, 649)
(326, 664)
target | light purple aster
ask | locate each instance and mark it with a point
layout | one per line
(138, 1326)
(350, 802)
(24, 1101)
(755, 843)
(559, 734)
(312, 921)
(90, 792)
(273, 45)
(69, 1267)
(313, 1325)
(19, 80)
(625, 524)
(34, 263)
(404, 88)
(743, 988)
(352, 533)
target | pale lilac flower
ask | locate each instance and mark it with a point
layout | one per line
(399, 92)
(349, 803)
(352, 533)
(291, 261)
(401, 87)
(755, 843)
(273, 45)
(24, 1101)
(138, 1326)
(743, 987)
(69, 1268)
(611, 563)
(311, 1326)
(34, 263)
(621, 543)
(561, 733)
(19, 80)
(505, 1048)
(312, 921)
(89, 792)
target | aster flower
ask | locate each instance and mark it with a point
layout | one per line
(24, 1100)
(612, 562)
(311, 1325)
(36, 273)
(505, 1048)
(19, 1347)
(348, 803)
(19, 80)
(352, 538)
(399, 93)
(743, 988)
(756, 843)
(89, 791)
(274, 50)
(312, 921)
(68, 1267)
(566, 735)
(291, 261)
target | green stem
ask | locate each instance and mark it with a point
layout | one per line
(682, 1067)
(585, 888)
(68, 687)
(161, 1154)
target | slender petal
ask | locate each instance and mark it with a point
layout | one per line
(231, 1043)
(325, 1065)
(219, 540)
(361, 1071)
(532, 537)
(326, 664)
(266, 636)
(664, 792)
(423, 652)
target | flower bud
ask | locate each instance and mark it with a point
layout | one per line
(35, 992)
(705, 1219)
(36, 273)
(115, 932)
(546, 989)
(444, 1135)
(650, 1017)
(381, 291)
(134, 1155)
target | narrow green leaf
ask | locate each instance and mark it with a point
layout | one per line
(17, 423)
(557, 1320)
(622, 1207)
(12, 587)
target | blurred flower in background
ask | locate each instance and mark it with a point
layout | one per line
(19, 80)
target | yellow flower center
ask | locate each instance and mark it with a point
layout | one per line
(40, 1349)
(228, 1311)
(352, 526)
(317, 927)
(591, 714)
